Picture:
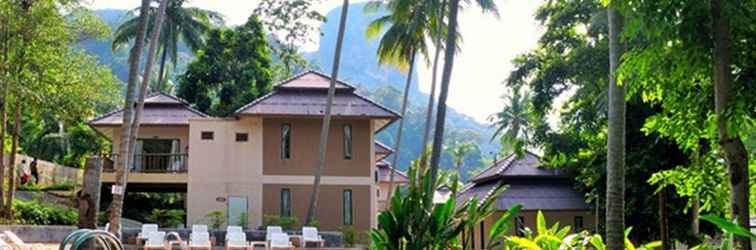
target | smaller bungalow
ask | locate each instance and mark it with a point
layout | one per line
(536, 188)
(383, 177)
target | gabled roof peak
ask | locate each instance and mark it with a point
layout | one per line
(312, 80)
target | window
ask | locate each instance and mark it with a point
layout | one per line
(520, 226)
(578, 223)
(242, 137)
(347, 141)
(347, 206)
(378, 193)
(285, 202)
(286, 141)
(207, 135)
(376, 176)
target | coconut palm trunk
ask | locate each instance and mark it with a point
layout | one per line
(398, 141)
(151, 51)
(161, 76)
(432, 96)
(327, 116)
(429, 109)
(123, 162)
(438, 134)
(615, 158)
(735, 153)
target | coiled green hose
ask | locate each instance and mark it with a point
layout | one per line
(78, 238)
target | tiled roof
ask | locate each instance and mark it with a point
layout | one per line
(384, 173)
(528, 165)
(541, 195)
(305, 95)
(159, 109)
(382, 150)
(312, 79)
(529, 184)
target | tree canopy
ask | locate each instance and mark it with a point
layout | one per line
(231, 70)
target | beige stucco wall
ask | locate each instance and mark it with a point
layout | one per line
(564, 217)
(223, 167)
(305, 135)
(153, 132)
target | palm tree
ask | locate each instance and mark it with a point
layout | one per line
(327, 117)
(450, 49)
(399, 46)
(512, 121)
(732, 145)
(131, 114)
(438, 30)
(458, 153)
(615, 153)
(185, 24)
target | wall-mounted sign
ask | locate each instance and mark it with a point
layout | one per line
(220, 199)
(116, 189)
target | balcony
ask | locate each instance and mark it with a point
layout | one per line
(150, 168)
(152, 163)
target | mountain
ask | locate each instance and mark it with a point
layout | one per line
(359, 67)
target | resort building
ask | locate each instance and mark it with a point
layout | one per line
(260, 161)
(536, 188)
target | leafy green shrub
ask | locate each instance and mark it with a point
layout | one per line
(167, 217)
(36, 213)
(63, 186)
(215, 219)
(352, 236)
(313, 223)
(554, 238)
(287, 223)
(413, 221)
(243, 220)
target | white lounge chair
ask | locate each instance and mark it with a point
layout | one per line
(310, 234)
(199, 228)
(146, 230)
(270, 230)
(233, 229)
(236, 240)
(156, 240)
(200, 240)
(280, 241)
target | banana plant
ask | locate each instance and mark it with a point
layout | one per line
(729, 229)
(410, 223)
(560, 238)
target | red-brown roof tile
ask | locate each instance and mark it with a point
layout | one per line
(159, 109)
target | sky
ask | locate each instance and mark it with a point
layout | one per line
(488, 47)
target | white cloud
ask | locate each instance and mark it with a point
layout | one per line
(488, 47)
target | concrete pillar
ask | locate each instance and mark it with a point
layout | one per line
(88, 199)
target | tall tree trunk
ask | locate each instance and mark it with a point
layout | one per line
(438, 134)
(327, 117)
(161, 77)
(663, 221)
(615, 158)
(122, 161)
(432, 96)
(695, 210)
(734, 151)
(3, 122)
(12, 185)
(429, 112)
(3, 99)
(398, 141)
